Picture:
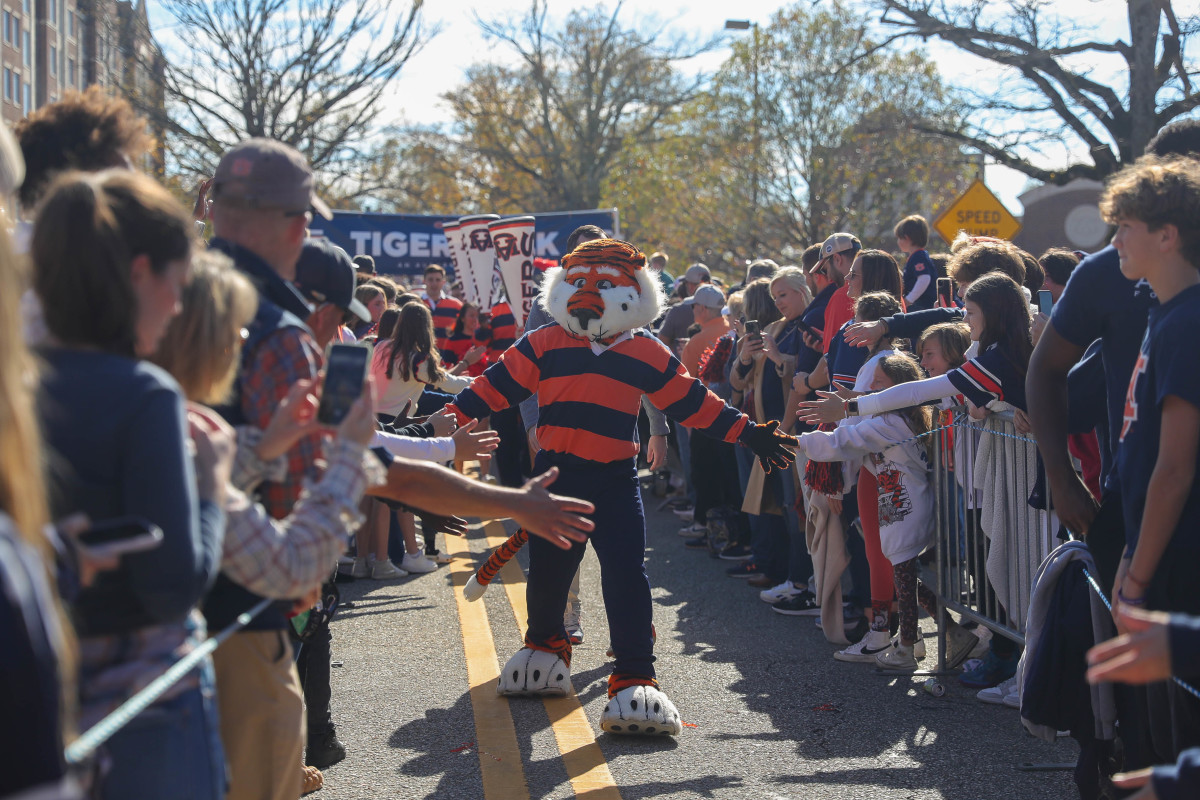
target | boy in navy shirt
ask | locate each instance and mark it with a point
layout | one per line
(1155, 205)
(920, 275)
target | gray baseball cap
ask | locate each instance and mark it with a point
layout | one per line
(697, 273)
(707, 295)
(264, 173)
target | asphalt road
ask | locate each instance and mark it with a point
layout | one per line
(768, 712)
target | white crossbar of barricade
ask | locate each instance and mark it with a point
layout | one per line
(990, 540)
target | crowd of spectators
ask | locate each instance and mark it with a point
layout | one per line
(172, 387)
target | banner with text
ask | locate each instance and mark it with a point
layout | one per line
(405, 244)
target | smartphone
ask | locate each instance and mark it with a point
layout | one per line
(945, 290)
(346, 368)
(118, 536)
(1045, 301)
(809, 329)
(753, 328)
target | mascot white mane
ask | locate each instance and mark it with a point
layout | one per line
(602, 289)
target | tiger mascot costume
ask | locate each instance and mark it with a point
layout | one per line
(590, 369)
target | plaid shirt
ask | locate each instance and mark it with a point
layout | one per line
(283, 358)
(286, 559)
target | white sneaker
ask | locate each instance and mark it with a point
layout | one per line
(899, 657)
(693, 530)
(871, 645)
(386, 570)
(417, 563)
(361, 568)
(918, 648)
(998, 694)
(783, 591)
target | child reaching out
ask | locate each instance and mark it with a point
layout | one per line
(889, 448)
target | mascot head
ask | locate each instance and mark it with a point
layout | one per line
(602, 290)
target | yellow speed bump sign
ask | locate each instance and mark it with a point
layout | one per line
(978, 212)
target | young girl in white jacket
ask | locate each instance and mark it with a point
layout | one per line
(888, 447)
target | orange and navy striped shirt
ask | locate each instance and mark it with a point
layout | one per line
(445, 314)
(504, 330)
(588, 402)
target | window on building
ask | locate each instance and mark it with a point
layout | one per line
(70, 22)
(53, 61)
(28, 49)
(71, 71)
(8, 21)
(28, 106)
(7, 83)
(53, 11)
(17, 88)
(27, 6)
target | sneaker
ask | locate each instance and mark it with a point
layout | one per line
(693, 530)
(575, 634)
(783, 591)
(898, 657)
(417, 563)
(324, 750)
(960, 643)
(992, 671)
(687, 515)
(747, 569)
(736, 552)
(386, 570)
(996, 695)
(698, 543)
(871, 645)
(760, 581)
(1013, 698)
(361, 568)
(918, 649)
(683, 510)
(803, 604)
(438, 557)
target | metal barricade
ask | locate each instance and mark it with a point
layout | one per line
(990, 540)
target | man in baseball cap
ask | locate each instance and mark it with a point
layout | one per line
(325, 276)
(264, 173)
(837, 255)
(262, 192)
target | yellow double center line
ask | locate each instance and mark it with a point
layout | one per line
(499, 754)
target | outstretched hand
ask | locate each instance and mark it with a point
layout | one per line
(830, 408)
(437, 523)
(774, 449)
(555, 519)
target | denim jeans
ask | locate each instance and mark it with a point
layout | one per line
(768, 532)
(171, 750)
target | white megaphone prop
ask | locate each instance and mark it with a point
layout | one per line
(513, 241)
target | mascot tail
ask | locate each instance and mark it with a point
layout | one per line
(478, 582)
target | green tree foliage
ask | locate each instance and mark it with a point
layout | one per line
(826, 143)
(544, 133)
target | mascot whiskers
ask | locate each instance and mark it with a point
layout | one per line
(590, 369)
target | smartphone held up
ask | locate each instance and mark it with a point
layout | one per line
(116, 537)
(346, 369)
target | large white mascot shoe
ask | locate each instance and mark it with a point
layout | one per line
(535, 672)
(641, 711)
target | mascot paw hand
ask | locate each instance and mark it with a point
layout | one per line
(641, 711)
(535, 672)
(772, 447)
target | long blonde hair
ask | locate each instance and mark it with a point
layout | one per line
(202, 345)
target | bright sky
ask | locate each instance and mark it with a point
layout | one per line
(441, 65)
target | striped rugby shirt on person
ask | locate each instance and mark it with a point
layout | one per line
(445, 314)
(588, 401)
